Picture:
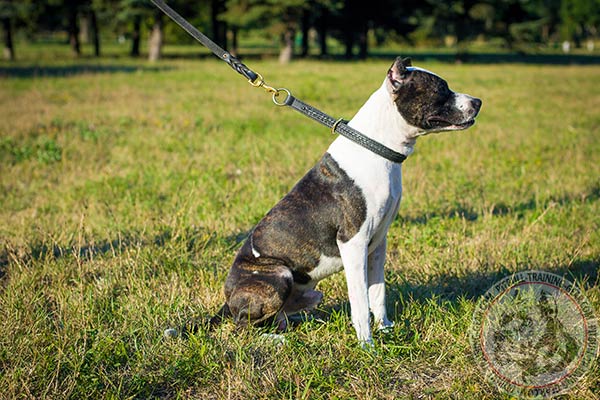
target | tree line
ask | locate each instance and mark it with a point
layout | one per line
(298, 23)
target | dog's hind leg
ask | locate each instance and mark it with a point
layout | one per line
(300, 300)
(260, 293)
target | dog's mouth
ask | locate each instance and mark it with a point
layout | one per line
(441, 124)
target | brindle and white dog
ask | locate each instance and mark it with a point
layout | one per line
(338, 214)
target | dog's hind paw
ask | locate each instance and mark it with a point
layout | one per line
(274, 338)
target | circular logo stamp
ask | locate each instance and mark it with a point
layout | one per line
(534, 334)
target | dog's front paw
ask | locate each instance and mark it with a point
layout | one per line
(367, 344)
(385, 326)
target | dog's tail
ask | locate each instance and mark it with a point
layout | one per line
(217, 319)
(196, 325)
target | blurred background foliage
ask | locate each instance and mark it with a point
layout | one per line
(296, 28)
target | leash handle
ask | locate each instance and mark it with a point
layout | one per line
(224, 55)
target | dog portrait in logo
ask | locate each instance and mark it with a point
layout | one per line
(529, 340)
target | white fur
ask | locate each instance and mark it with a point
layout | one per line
(363, 255)
(255, 252)
(421, 69)
(462, 102)
(327, 266)
(376, 283)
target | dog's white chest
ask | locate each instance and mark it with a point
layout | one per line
(388, 214)
(382, 190)
(379, 180)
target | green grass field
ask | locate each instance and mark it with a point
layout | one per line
(126, 189)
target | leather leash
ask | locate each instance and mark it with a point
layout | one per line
(336, 125)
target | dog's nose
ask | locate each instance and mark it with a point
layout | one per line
(476, 104)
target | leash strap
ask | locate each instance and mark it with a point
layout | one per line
(224, 55)
(343, 129)
(340, 126)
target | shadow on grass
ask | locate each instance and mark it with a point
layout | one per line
(196, 239)
(86, 252)
(451, 287)
(502, 209)
(31, 71)
(446, 286)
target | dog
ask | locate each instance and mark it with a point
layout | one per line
(337, 216)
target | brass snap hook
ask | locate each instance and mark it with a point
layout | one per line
(260, 82)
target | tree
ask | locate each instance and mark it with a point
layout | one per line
(305, 27)
(91, 27)
(549, 14)
(219, 25)
(241, 15)
(72, 8)
(322, 24)
(132, 12)
(325, 13)
(280, 17)
(156, 37)
(355, 18)
(351, 21)
(95, 32)
(7, 13)
(580, 19)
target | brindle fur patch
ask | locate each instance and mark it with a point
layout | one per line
(325, 206)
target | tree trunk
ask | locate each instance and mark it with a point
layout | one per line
(73, 28)
(462, 29)
(135, 36)
(305, 28)
(156, 37)
(219, 28)
(287, 51)
(322, 32)
(234, 41)
(84, 29)
(9, 49)
(363, 45)
(349, 43)
(95, 32)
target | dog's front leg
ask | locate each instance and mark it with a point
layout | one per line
(377, 286)
(354, 257)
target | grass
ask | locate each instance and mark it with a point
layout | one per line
(126, 189)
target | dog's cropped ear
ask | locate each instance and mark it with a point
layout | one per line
(399, 73)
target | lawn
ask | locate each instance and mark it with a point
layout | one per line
(127, 187)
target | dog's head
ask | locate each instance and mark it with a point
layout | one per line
(426, 102)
